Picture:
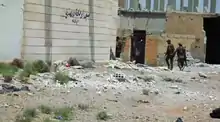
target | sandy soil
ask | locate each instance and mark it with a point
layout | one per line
(192, 98)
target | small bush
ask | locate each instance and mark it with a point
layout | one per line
(30, 113)
(49, 63)
(45, 109)
(18, 63)
(27, 116)
(83, 107)
(102, 116)
(40, 66)
(28, 70)
(66, 113)
(62, 78)
(7, 69)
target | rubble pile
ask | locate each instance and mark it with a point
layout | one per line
(82, 73)
(190, 59)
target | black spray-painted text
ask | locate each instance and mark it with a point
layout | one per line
(76, 15)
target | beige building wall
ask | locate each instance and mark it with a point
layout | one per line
(188, 25)
(49, 35)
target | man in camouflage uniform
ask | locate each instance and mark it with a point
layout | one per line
(169, 54)
(181, 56)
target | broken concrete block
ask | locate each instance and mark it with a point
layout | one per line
(120, 77)
(86, 64)
(203, 75)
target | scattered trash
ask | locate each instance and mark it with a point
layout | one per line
(67, 65)
(59, 117)
(6, 88)
(143, 101)
(174, 87)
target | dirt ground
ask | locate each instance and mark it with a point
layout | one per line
(192, 97)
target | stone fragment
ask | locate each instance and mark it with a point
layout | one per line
(203, 75)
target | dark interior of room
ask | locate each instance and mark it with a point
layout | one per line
(137, 36)
(212, 28)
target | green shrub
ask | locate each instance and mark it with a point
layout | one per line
(62, 78)
(102, 116)
(7, 69)
(45, 109)
(66, 113)
(27, 116)
(40, 66)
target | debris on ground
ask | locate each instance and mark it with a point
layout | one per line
(122, 87)
(6, 88)
(215, 113)
(203, 75)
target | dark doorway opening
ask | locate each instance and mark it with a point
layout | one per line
(212, 28)
(138, 41)
(118, 48)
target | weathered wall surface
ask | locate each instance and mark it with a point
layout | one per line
(187, 24)
(11, 24)
(47, 31)
(152, 23)
(185, 28)
(151, 50)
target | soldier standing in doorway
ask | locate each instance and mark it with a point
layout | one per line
(118, 47)
(139, 51)
(169, 54)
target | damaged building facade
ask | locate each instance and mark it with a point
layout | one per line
(180, 27)
(58, 29)
(188, 23)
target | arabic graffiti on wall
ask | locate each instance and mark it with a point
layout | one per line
(76, 15)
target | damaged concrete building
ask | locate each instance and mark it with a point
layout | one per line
(197, 31)
(187, 22)
(58, 29)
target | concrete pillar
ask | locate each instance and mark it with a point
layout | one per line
(213, 6)
(127, 50)
(195, 4)
(162, 3)
(156, 3)
(148, 5)
(205, 5)
(121, 3)
(126, 4)
(134, 4)
(48, 34)
(181, 5)
(172, 3)
(190, 6)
